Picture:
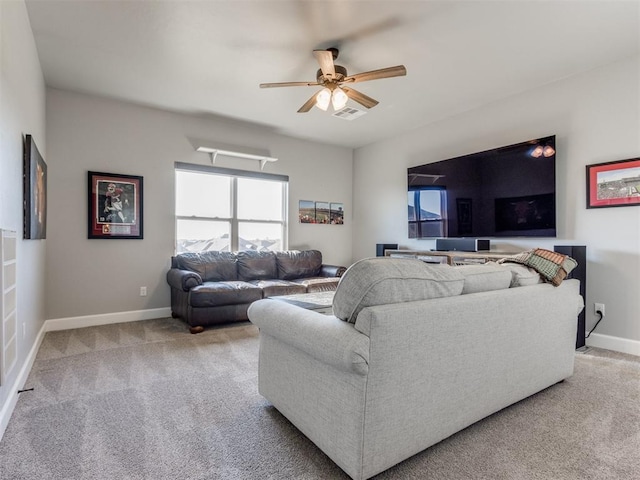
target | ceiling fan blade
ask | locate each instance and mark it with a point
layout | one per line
(289, 84)
(397, 71)
(325, 59)
(308, 104)
(359, 97)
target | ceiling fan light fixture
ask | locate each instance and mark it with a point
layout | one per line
(338, 98)
(323, 98)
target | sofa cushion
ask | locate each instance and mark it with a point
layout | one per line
(214, 294)
(253, 265)
(275, 287)
(318, 284)
(521, 275)
(293, 264)
(378, 281)
(484, 278)
(211, 266)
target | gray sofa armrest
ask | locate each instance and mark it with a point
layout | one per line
(332, 270)
(323, 337)
(183, 279)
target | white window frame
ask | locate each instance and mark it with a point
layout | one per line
(234, 221)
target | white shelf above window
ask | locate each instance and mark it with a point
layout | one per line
(215, 152)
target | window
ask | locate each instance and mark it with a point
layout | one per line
(427, 210)
(229, 210)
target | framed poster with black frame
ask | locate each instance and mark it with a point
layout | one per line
(613, 184)
(35, 192)
(114, 206)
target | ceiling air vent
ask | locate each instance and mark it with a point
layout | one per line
(349, 113)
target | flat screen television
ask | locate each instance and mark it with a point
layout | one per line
(505, 192)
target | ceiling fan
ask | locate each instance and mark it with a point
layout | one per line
(333, 78)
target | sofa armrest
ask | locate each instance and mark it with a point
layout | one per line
(332, 270)
(183, 279)
(323, 337)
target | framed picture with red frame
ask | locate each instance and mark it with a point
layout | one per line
(613, 184)
(114, 206)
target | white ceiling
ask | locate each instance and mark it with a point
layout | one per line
(208, 57)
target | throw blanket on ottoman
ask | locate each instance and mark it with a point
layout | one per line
(552, 266)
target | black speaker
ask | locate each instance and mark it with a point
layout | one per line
(579, 254)
(381, 247)
(462, 244)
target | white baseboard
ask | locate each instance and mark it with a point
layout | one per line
(105, 319)
(617, 344)
(21, 379)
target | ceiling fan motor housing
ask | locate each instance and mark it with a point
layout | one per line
(341, 74)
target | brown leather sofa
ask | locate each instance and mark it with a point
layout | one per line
(210, 288)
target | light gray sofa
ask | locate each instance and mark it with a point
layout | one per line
(379, 381)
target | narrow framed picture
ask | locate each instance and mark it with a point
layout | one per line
(307, 211)
(114, 206)
(322, 212)
(337, 214)
(613, 184)
(35, 192)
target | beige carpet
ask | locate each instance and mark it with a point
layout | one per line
(147, 400)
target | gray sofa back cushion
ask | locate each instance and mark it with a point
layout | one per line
(378, 281)
(254, 265)
(294, 264)
(211, 266)
(484, 278)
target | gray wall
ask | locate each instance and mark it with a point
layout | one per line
(22, 105)
(89, 277)
(596, 119)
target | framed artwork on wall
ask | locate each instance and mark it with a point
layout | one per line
(306, 211)
(613, 184)
(35, 192)
(114, 206)
(337, 214)
(323, 213)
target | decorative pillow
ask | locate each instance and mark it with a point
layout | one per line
(211, 266)
(379, 281)
(483, 278)
(552, 266)
(294, 264)
(521, 275)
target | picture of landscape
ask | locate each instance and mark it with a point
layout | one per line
(324, 213)
(337, 214)
(619, 184)
(307, 211)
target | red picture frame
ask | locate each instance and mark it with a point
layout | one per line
(114, 206)
(613, 184)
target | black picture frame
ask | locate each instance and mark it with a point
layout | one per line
(114, 206)
(613, 184)
(35, 192)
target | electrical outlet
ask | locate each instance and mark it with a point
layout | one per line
(598, 307)
(143, 291)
